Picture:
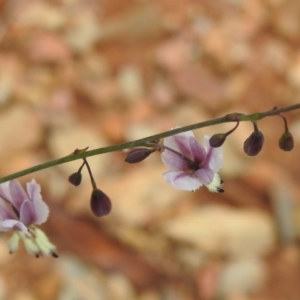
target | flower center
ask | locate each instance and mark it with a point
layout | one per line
(194, 165)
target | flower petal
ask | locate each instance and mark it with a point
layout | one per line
(182, 181)
(28, 213)
(173, 161)
(183, 144)
(17, 193)
(205, 175)
(14, 224)
(198, 152)
(5, 191)
(214, 157)
(180, 142)
(39, 206)
(6, 212)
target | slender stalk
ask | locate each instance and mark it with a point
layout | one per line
(225, 119)
(286, 129)
(91, 174)
(84, 162)
(233, 129)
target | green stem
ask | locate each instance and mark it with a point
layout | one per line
(141, 142)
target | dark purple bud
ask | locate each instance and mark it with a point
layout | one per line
(217, 140)
(254, 143)
(286, 142)
(100, 203)
(75, 178)
(138, 155)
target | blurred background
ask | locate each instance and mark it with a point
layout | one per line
(95, 73)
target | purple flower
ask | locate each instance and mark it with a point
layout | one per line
(192, 165)
(21, 211)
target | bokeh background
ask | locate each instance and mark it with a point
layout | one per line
(95, 73)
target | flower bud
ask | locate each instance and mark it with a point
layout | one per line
(254, 143)
(286, 142)
(217, 140)
(100, 203)
(75, 178)
(138, 155)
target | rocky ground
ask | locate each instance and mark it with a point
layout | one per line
(96, 73)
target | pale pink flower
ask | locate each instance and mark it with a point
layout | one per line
(20, 211)
(190, 164)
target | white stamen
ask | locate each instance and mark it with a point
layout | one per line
(215, 184)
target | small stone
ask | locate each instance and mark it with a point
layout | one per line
(286, 22)
(83, 31)
(47, 48)
(293, 74)
(134, 24)
(120, 287)
(241, 277)
(42, 15)
(21, 130)
(72, 286)
(174, 54)
(284, 207)
(131, 83)
(11, 71)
